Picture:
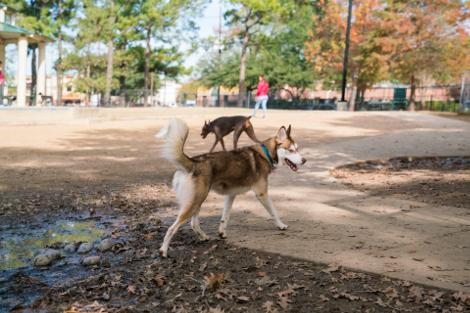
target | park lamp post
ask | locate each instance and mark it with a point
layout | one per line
(342, 105)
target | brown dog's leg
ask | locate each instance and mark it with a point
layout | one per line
(215, 144)
(251, 132)
(222, 142)
(236, 135)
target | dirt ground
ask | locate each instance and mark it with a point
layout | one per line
(465, 117)
(441, 181)
(111, 174)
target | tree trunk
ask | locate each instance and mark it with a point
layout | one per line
(412, 95)
(241, 81)
(357, 101)
(423, 102)
(352, 99)
(88, 76)
(147, 67)
(109, 69)
(59, 60)
(122, 94)
(33, 72)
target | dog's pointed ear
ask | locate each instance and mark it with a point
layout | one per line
(205, 122)
(288, 131)
(281, 135)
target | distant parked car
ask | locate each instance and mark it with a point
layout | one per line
(191, 103)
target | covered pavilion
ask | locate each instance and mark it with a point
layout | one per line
(10, 33)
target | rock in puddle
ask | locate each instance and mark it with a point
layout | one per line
(45, 257)
(106, 245)
(85, 248)
(91, 260)
(70, 248)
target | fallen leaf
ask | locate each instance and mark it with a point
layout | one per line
(324, 299)
(211, 249)
(286, 292)
(268, 305)
(217, 309)
(262, 281)
(202, 267)
(243, 298)
(412, 251)
(219, 296)
(131, 289)
(283, 303)
(214, 281)
(390, 292)
(159, 280)
(413, 206)
(261, 274)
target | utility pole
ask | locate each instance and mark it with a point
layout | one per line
(346, 53)
(151, 89)
(220, 51)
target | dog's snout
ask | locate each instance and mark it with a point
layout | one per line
(304, 160)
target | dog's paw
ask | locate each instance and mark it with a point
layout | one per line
(163, 253)
(205, 238)
(282, 226)
(222, 234)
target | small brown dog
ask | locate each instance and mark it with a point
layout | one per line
(223, 126)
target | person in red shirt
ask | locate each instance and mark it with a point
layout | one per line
(262, 95)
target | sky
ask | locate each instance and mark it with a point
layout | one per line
(208, 24)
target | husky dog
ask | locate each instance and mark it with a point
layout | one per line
(228, 173)
(224, 125)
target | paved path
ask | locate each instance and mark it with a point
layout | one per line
(323, 216)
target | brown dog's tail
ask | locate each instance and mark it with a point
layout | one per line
(250, 131)
(175, 134)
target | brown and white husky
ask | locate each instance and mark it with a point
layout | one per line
(228, 173)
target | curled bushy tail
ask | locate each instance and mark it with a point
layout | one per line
(175, 134)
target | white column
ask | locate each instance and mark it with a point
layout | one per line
(2, 16)
(2, 57)
(41, 84)
(22, 56)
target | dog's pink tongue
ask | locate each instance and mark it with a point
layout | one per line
(273, 171)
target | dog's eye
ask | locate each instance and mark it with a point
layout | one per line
(291, 151)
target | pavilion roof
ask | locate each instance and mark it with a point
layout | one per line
(8, 9)
(10, 34)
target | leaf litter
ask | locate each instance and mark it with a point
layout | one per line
(212, 276)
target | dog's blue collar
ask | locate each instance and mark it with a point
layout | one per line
(267, 154)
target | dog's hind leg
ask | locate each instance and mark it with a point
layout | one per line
(225, 215)
(236, 135)
(250, 131)
(263, 197)
(197, 229)
(190, 202)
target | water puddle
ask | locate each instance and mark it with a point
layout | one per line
(18, 248)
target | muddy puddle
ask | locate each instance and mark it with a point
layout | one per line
(18, 246)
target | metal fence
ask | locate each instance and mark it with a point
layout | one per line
(433, 98)
(125, 99)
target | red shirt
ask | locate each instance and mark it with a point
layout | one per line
(262, 89)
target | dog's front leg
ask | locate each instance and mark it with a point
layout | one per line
(263, 197)
(223, 144)
(215, 144)
(226, 216)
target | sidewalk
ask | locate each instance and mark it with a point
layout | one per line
(331, 224)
